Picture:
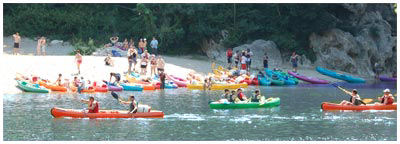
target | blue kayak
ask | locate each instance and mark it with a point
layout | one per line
(263, 80)
(136, 75)
(128, 87)
(344, 77)
(288, 81)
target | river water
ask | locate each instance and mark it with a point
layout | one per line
(26, 116)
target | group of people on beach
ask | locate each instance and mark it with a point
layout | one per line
(244, 58)
(141, 46)
(40, 48)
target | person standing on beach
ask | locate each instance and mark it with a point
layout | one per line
(243, 60)
(78, 59)
(17, 40)
(236, 56)
(143, 65)
(114, 40)
(154, 45)
(132, 53)
(39, 43)
(144, 44)
(293, 60)
(249, 54)
(160, 64)
(153, 64)
(131, 43)
(43, 45)
(229, 57)
(125, 44)
(265, 61)
(140, 45)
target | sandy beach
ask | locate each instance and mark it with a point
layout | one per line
(93, 68)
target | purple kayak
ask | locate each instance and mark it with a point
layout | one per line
(112, 87)
(312, 80)
(386, 78)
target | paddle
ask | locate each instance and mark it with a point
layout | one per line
(115, 96)
(366, 100)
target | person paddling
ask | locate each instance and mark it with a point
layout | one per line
(232, 96)
(241, 96)
(354, 100)
(387, 98)
(93, 106)
(133, 105)
(257, 96)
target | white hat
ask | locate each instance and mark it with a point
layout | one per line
(144, 39)
(386, 90)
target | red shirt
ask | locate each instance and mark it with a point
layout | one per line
(241, 95)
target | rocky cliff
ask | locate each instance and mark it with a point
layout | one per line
(365, 35)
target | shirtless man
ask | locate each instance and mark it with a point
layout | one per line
(43, 45)
(17, 40)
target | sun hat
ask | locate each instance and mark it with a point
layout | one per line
(386, 90)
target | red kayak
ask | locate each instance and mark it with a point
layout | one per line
(334, 106)
(74, 113)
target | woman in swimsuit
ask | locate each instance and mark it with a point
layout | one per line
(78, 59)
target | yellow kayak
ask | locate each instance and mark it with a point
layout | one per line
(218, 86)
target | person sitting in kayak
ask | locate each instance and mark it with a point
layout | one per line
(241, 96)
(132, 104)
(76, 82)
(387, 98)
(117, 77)
(232, 96)
(93, 106)
(81, 85)
(354, 100)
(224, 97)
(257, 96)
(58, 81)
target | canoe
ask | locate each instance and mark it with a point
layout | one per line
(263, 80)
(129, 87)
(218, 86)
(312, 80)
(53, 87)
(348, 78)
(333, 106)
(76, 113)
(29, 87)
(286, 81)
(180, 83)
(271, 103)
(386, 78)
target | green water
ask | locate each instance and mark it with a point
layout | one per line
(188, 117)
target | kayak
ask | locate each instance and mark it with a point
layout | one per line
(136, 75)
(218, 86)
(287, 81)
(53, 87)
(229, 105)
(286, 76)
(29, 87)
(255, 81)
(386, 78)
(263, 80)
(76, 113)
(333, 106)
(166, 85)
(312, 80)
(128, 87)
(179, 82)
(100, 89)
(274, 81)
(148, 87)
(89, 90)
(348, 78)
(112, 87)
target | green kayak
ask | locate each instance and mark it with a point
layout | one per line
(28, 87)
(269, 103)
(277, 82)
(288, 76)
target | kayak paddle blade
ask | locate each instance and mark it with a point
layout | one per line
(114, 95)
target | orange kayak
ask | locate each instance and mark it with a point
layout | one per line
(53, 87)
(60, 112)
(90, 90)
(333, 106)
(149, 87)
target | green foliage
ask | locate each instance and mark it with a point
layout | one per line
(180, 28)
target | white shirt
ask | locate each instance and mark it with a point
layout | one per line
(243, 60)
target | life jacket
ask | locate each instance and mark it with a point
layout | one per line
(96, 108)
(240, 96)
(389, 100)
(229, 53)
